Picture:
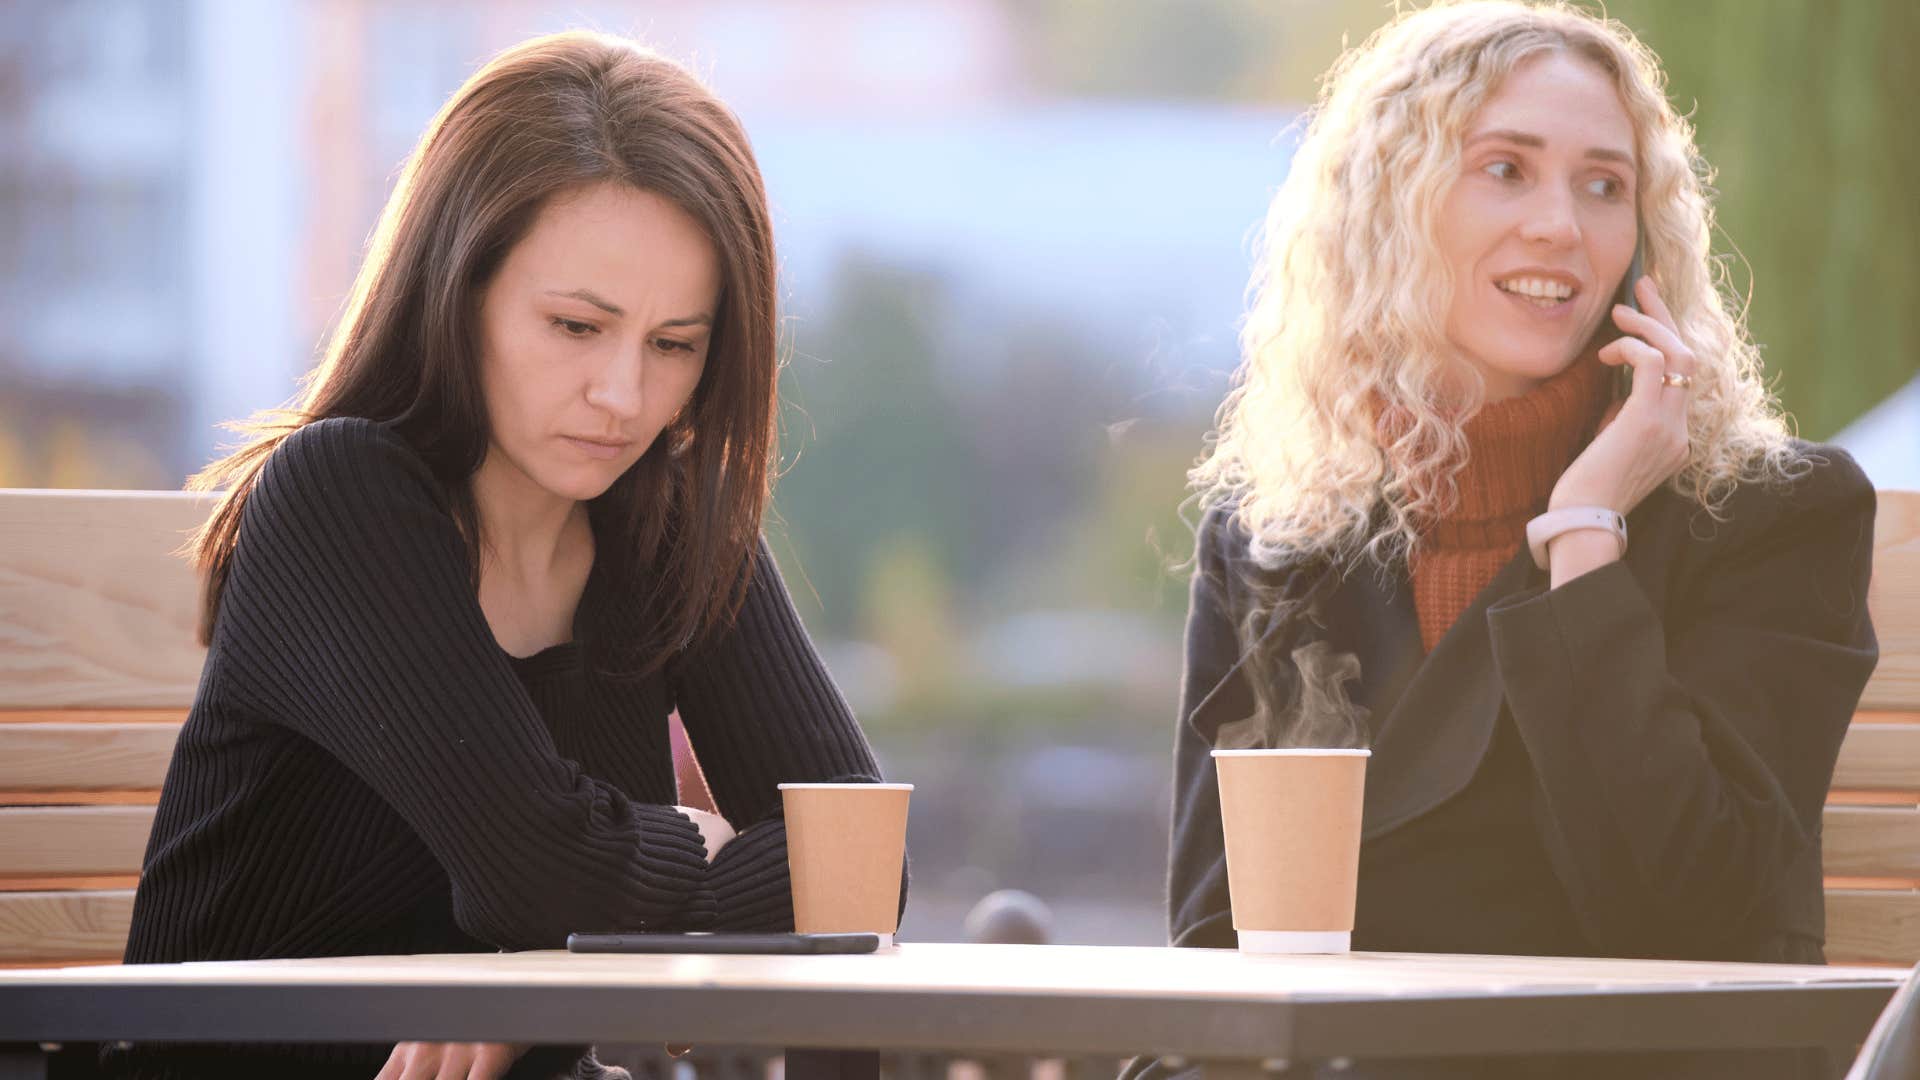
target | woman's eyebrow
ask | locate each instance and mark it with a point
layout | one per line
(1528, 139)
(590, 297)
(703, 319)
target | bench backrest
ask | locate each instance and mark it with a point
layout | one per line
(1872, 833)
(98, 665)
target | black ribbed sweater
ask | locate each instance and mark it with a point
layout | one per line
(366, 771)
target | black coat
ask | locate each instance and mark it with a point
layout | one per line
(1632, 765)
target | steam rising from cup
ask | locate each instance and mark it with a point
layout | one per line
(1317, 712)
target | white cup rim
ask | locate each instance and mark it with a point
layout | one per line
(1296, 752)
(847, 787)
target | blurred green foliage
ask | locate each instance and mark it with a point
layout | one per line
(871, 457)
(1806, 109)
(1014, 465)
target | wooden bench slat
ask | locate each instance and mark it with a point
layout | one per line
(175, 717)
(95, 607)
(1883, 756)
(64, 925)
(1873, 798)
(68, 882)
(11, 965)
(38, 841)
(118, 797)
(1870, 925)
(84, 757)
(1894, 599)
(1867, 716)
(1872, 841)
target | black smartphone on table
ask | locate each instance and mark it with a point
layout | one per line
(728, 944)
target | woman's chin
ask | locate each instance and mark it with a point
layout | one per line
(1535, 367)
(580, 484)
(1502, 380)
(1512, 364)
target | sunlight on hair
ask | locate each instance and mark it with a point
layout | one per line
(1348, 298)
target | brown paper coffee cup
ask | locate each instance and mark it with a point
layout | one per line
(846, 845)
(1292, 826)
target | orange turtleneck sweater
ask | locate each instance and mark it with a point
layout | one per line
(1516, 451)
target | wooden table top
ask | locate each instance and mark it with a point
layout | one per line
(1078, 971)
(1012, 998)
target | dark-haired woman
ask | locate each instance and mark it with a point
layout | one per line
(512, 524)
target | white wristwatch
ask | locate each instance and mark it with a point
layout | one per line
(1572, 519)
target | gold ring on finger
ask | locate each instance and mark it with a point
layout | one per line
(1676, 378)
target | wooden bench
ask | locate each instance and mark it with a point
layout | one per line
(98, 666)
(1873, 813)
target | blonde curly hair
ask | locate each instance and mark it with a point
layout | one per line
(1349, 295)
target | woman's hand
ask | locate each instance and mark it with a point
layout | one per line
(451, 1061)
(1642, 442)
(713, 829)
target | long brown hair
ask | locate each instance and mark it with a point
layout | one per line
(545, 117)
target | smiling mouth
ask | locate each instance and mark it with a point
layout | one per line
(1540, 292)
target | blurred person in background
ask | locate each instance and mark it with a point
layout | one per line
(1603, 749)
(455, 591)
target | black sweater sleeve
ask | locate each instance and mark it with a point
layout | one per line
(1683, 755)
(349, 617)
(760, 709)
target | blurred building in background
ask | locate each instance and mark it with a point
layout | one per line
(1015, 239)
(94, 327)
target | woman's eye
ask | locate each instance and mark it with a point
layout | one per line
(573, 327)
(1503, 170)
(672, 345)
(1606, 187)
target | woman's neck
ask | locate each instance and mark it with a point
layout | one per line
(1518, 446)
(1504, 386)
(525, 530)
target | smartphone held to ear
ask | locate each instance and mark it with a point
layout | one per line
(1635, 271)
(1609, 330)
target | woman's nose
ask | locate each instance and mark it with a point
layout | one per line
(1551, 220)
(618, 388)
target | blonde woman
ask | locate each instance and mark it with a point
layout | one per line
(1608, 639)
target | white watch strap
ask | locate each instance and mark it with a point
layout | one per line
(1572, 519)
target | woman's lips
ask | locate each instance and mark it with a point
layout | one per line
(1532, 308)
(594, 448)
